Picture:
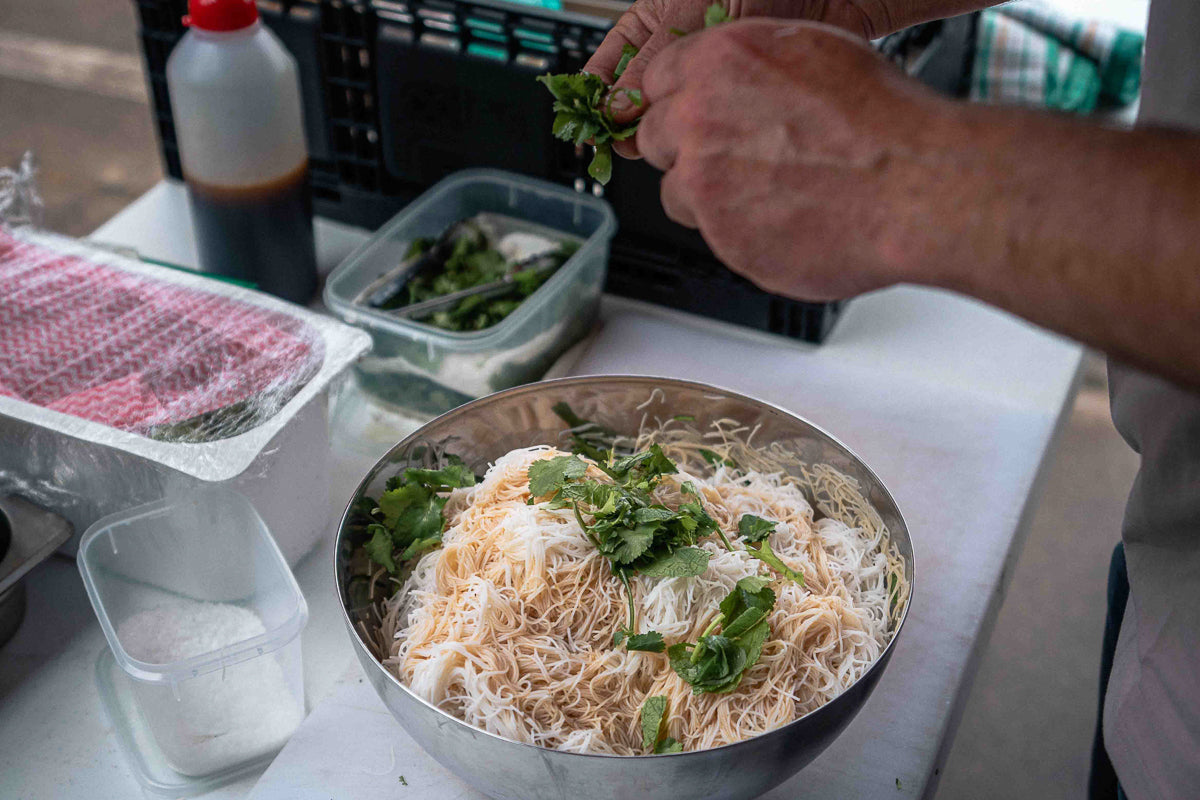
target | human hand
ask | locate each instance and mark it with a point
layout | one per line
(648, 25)
(809, 164)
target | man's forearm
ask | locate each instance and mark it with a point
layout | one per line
(1088, 231)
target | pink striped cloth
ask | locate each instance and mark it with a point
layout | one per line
(136, 353)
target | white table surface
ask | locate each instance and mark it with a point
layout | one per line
(955, 405)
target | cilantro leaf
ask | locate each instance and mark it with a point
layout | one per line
(649, 642)
(703, 524)
(451, 476)
(407, 518)
(418, 546)
(683, 562)
(654, 713)
(600, 167)
(715, 460)
(589, 439)
(644, 467)
(620, 636)
(628, 51)
(715, 15)
(549, 474)
(379, 548)
(755, 529)
(632, 542)
(765, 554)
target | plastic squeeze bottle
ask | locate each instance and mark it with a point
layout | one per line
(235, 94)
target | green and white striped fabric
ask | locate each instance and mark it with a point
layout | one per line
(1030, 54)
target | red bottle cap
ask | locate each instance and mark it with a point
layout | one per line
(221, 15)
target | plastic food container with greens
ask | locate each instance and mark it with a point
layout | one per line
(477, 286)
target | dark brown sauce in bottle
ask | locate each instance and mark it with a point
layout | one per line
(260, 233)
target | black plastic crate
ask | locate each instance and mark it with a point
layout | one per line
(399, 93)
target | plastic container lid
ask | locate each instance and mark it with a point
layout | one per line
(208, 546)
(221, 16)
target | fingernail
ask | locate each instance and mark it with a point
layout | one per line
(621, 103)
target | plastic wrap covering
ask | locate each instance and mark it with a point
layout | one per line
(122, 383)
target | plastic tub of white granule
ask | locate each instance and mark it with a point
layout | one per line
(203, 618)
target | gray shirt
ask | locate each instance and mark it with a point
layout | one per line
(1152, 712)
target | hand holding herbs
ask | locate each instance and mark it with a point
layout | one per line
(583, 104)
(583, 114)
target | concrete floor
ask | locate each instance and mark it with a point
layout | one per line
(1027, 726)
(96, 152)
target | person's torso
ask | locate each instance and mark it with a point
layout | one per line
(1152, 711)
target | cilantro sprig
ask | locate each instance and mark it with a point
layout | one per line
(583, 111)
(407, 518)
(755, 530)
(731, 643)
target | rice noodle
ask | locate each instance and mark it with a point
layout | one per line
(509, 626)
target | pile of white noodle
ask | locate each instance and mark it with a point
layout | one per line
(509, 626)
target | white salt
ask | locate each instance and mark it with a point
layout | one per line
(218, 719)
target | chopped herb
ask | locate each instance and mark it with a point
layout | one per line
(549, 474)
(695, 510)
(650, 642)
(654, 718)
(464, 258)
(715, 460)
(765, 554)
(588, 439)
(715, 15)
(668, 745)
(685, 562)
(402, 781)
(684, 418)
(654, 711)
(407, 519)
(583, 113)
(755, 529)
(628, 51)
(717, 661)
(898, 785)
(379, 548)
(627, 526)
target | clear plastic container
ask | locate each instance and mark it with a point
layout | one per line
(427, 370)
(203, 618)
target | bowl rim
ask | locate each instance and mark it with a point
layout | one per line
(538, 386)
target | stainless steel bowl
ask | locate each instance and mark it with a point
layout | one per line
(485, 429)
